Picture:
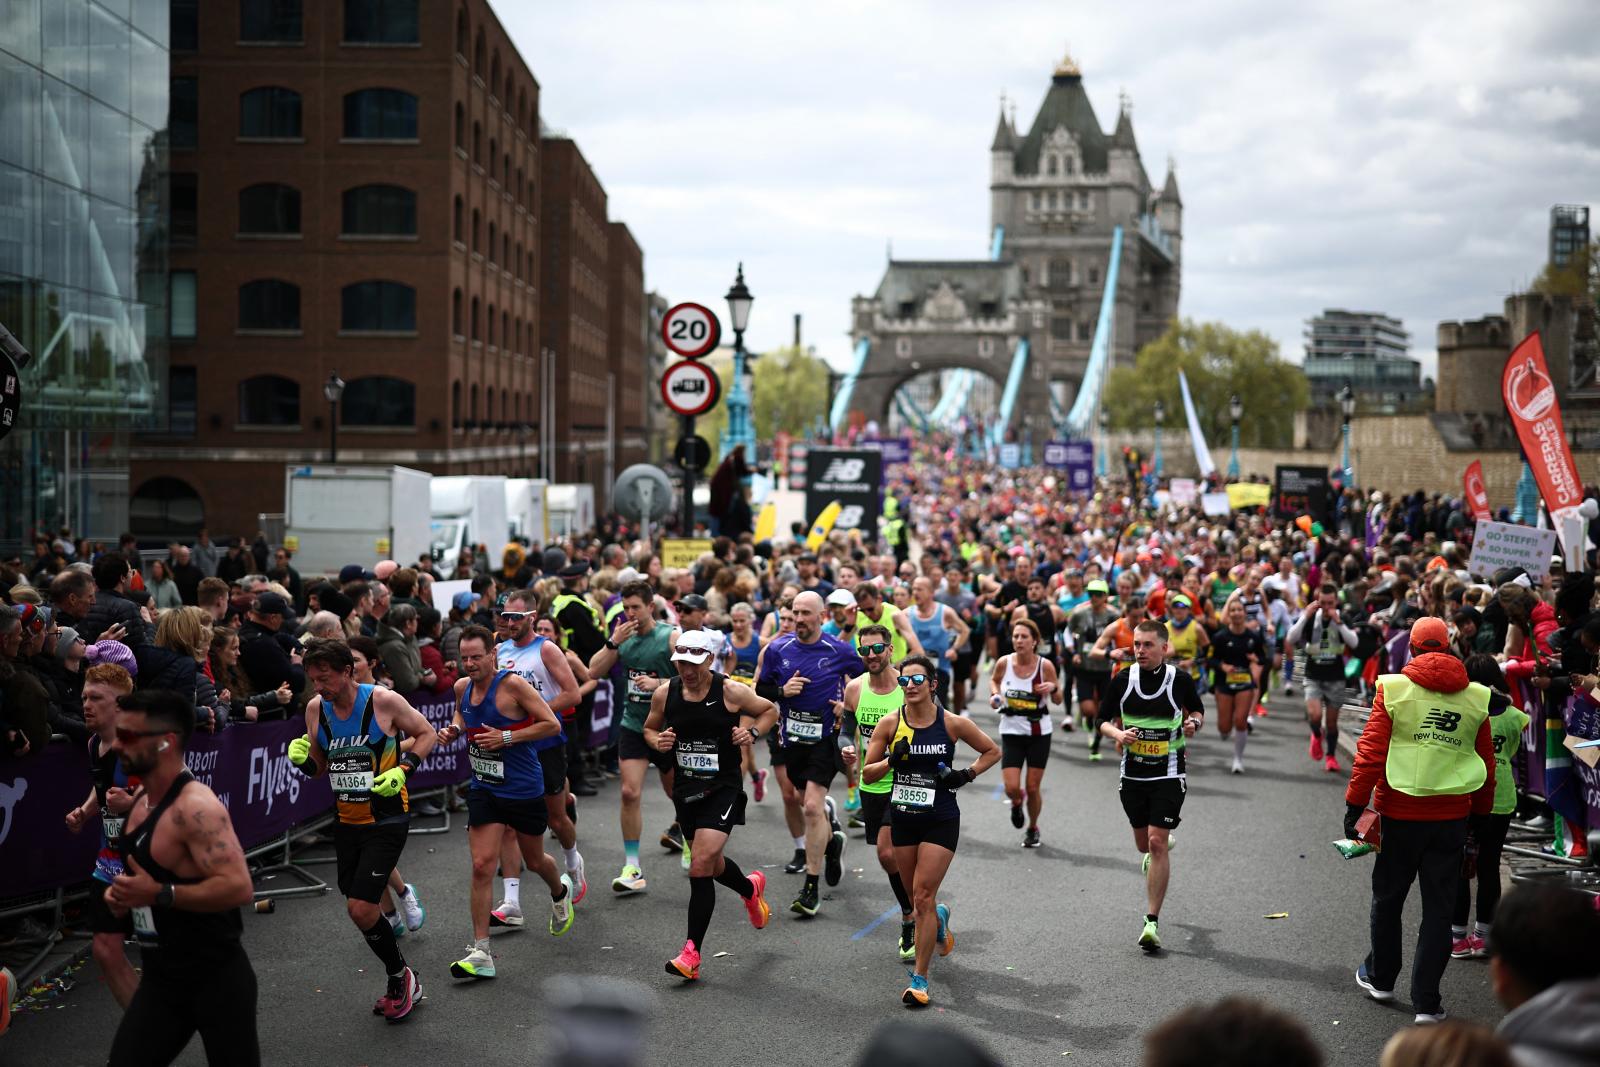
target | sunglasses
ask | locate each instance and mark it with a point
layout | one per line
(690, 650)
(909, 680)
(128, 737)
(515, 616)
(877, 648)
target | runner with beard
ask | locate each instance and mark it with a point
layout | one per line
(1091, 672)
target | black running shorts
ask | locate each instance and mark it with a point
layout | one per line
(721, 810)
(101, 921)
(1153, 803)
(631, 745)
(1092, 685)
(366, 854)
(525, 815)
(166, 1013)
(1019, 749)
(554, 762)
(811, 763)
(874, 813)
(904, 833)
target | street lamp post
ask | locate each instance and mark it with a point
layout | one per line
(1235, 413)
(1155, 461)
(333, 389)
(1100, 466)
(741, 429)
(1347, 408)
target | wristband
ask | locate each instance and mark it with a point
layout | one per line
(410, 762)
(505, 737)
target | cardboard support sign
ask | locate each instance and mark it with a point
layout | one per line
(1503, 544)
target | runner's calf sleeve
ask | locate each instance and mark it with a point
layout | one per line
(899, 888)
(735, 879)
(702, 901)
(380, 939)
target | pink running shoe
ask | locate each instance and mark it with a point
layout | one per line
(687, 963)
(1316, 749)
(761, 785)
(1332, 763)
(757, 907)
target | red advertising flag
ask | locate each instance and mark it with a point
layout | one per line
(1530, 398)
(1477, 495)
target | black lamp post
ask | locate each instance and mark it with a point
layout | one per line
(333, 389)
(1235, 413)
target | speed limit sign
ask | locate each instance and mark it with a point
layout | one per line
(690, 330)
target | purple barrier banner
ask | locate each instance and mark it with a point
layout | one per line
(247, 766)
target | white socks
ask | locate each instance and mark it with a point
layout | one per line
(512, 887)
(1239, 738)
(573, 859)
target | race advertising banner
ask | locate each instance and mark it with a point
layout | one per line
(853, 477)
(1300, 491)
(893, 449)
(1530, 397)
(1080, 466)
(1477, 495)
(1055, 455)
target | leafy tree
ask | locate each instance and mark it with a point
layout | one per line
(1219, 362)
(790, 389)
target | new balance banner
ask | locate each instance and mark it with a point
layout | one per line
(1300, 491)
(1080, 466)
(1477, 495)
(1530, 397)
(853, 477)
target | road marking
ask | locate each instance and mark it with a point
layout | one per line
(999, 790)
(874, 924)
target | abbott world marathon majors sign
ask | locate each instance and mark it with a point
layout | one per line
(853, 477)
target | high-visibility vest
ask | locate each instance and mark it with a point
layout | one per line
(561, 603)
(1433, 737)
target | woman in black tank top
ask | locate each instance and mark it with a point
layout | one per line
(704, 721)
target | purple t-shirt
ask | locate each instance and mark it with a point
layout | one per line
(828, 663)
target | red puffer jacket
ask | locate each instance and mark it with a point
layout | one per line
(1444, 674)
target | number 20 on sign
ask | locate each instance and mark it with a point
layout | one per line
(690, 330)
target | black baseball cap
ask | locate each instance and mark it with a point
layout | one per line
(271, 604)
(691, 602)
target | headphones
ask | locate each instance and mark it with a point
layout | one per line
(163, 746)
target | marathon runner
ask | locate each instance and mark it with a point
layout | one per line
(867, 699)
(503, 717)
(955, 595)
(1235, 649)
(918, 743)
(1151, 710)
(1325, 638)
(807, 672)
(870, 607)
(1020, 684)
(698, 719)
(1186, 636)
(1047, 618)
(542, 664)
(746, 656)
(111, 796)
(644, 648)
(1091, 671)
(353, 735)
(940, 632)
(183, 881)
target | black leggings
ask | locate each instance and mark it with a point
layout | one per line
(166, 1012)
(1490, 830)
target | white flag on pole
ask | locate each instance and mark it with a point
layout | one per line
(1202, 454)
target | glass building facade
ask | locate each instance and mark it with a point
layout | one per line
(83, 253)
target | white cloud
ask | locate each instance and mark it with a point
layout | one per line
(1398, 157)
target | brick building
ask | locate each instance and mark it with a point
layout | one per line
(357, 189)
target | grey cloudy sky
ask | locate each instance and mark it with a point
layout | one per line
(1399, 157)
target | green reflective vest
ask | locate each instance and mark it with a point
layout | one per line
(1432, 737)
(1506, 729)
(561, 603)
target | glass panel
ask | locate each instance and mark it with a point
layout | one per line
(183, 303)
(269, 305)
(110, 154)
(380, 113)
(183, 111)
(270, 111)
(379, 402)
(19, 108)
(381, 21)
(183, 401)
(64, 134)
(380, 209)
(19, 28)
(111, 238)
(66, 40)
(19, 226)
(379, 306)
(108, 57)
(269, 208)
(269, 400)
(151, 16)
(278, 21)
(149, 65)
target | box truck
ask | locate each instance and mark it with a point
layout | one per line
(526, 509)
(335, 515)
(468, 510)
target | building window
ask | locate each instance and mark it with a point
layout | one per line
(494, 159)
(455, 222)
(455, 405)
(379, 401)
(181, 305)
(269, 304)
(380, 115)
(270, 112)
(902, 346)
(269, 208)
(271, 21)
(480, 51)
(183, 113)
(491, 325)
(378, 307)
(477, 141)
(455, 313)
(477, 229)
(185, 193)
(488, 408)
(381, 211)
(269, 400)
(380, 22)
(491, 242)
(183, 401)
(476, 336)
(185, 31)
(494, 75)
(461, 33)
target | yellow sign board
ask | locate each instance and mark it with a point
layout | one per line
(683, 551)
(1249, 495)
(382, 545)
(292, 543)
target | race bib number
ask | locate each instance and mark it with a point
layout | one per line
(742, 679)
(803, 730)
(637, 687)
(350, 783)
(144, 923)
(1237, 678)
(912, 795)
(1021, 702)
(487, 767)
(698, 762)
(1150, 748)
(112, 825)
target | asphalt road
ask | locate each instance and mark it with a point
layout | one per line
(1045, 964)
